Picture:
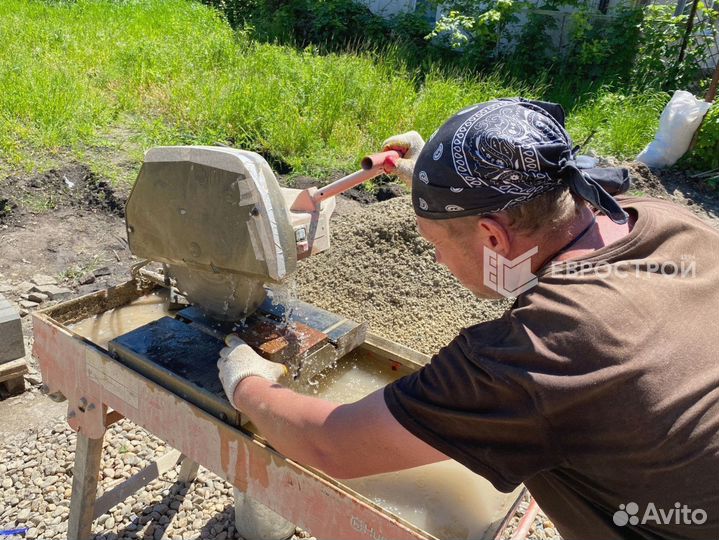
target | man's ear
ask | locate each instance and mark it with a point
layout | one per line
(494, 235)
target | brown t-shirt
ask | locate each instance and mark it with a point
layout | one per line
(598, 388)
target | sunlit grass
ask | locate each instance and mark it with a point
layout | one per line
(86, 79)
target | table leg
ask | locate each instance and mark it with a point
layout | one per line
(188, 470)
(88, 454)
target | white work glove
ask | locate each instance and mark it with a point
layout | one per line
(238, 361)
(408, 144)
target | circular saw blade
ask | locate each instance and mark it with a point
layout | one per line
(224, 296)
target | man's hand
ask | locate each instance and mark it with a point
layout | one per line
(238, 361)
(408, 144)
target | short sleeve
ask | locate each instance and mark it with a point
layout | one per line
(477, 410)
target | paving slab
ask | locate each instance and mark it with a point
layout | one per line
(42, 279)
(54, 292)
(37, 297)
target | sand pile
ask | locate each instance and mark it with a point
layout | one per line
(380, 270)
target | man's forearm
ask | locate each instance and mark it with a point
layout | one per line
(344, 441)
(294, 424)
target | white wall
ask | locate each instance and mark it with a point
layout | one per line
(389, 8)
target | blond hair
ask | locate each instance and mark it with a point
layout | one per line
(549, 211)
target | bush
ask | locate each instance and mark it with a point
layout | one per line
(330, 24)
(658, 51)
(705, 155)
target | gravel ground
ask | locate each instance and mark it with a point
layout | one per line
(36, 471)
(380, 270)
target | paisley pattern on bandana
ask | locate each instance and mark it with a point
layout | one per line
(503, 140)
(498, 154)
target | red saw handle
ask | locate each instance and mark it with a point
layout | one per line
(372, 165)
(386, 160)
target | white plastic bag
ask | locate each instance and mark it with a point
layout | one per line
(680, 119)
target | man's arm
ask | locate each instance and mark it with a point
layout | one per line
(344, 441)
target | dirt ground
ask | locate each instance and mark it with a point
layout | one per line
(68, 224)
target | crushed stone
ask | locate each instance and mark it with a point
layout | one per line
(379, 270)
(36, 469)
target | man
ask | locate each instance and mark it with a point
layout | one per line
(597, 389)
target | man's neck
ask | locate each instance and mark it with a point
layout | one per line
(604, 233)
(596, 233)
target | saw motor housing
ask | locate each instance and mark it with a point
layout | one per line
(219, 220)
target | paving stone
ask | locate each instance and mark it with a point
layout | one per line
(12, 345)
(37, 297)
(6, 288)
(54, 292)
(103, 271)
(24, 287)
(42, 279)
(28, 304)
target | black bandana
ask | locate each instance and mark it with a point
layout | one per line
(498, 154)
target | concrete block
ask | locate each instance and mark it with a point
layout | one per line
(12, 346)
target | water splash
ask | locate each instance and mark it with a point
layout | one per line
(285, 295)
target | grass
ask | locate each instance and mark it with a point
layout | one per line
(621, 124)
(75, 272)
(39, 203)
(93, 80)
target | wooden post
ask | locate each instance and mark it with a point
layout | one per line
(711, 94)
(88, 454)
(687, 33)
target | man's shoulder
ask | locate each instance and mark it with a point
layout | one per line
(669, 211)
(476, 340)
(518, 339)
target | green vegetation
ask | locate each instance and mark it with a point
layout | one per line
(633, 46)
(705, 155)
(94, 80)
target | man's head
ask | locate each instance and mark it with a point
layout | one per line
(501, 176)
(460, 243)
